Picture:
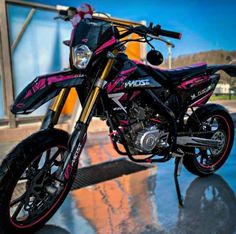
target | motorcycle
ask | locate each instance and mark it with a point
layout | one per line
(153, 115)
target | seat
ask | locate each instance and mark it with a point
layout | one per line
(183, 73)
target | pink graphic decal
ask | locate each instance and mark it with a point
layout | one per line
(28, 94)
(39, 85)
(135, 94)
(55, 79)
(193, 82)
(125, 72)
(138, 62)
(120, 78)
(20, 105)
(201, 100)
(106, 44)
(124, 97)
(119, 88)
(123, 122)
(68, 171)
(155, 120)
(85, 40)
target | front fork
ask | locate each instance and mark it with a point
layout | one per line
(53, 113)
(78, 138)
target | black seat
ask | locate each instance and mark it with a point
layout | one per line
(183, 73)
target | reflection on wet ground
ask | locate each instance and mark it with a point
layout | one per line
(146, 202)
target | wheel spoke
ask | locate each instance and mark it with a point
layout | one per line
(20, 198)
(201, 160)
(48, 155)
(17, 211)
(212, 119)
(54, 156)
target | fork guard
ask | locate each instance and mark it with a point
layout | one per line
(44, 88)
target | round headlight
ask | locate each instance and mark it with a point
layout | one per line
(81, 56)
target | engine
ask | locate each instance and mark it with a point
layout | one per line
(143, 134)
(147, 139)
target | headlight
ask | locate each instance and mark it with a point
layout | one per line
(81, 56)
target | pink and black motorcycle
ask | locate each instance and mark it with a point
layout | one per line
(159, 114)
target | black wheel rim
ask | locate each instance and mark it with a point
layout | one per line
(216, 128)
(39, 188)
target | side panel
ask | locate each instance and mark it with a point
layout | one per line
(198, 90)
(44, 88)
(131, 78)
(128, 84)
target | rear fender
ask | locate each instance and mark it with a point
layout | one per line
(44, 88)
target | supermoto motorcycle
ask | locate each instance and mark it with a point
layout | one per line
(153, 115)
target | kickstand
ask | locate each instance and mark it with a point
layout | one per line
(178, 165)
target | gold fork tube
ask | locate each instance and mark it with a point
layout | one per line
(93, 96)
(58, 104)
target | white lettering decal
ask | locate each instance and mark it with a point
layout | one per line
(116, 97)
(137, 83)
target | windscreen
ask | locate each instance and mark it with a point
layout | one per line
(92, 33)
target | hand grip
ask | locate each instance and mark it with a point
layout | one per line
(171, 34)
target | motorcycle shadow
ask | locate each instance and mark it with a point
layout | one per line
(209, 207)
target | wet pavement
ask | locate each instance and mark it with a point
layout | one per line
(145, 202)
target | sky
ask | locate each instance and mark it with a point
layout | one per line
(205, 25)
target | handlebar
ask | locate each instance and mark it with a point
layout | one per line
(156, 31)
(171, 34)
(68, 13)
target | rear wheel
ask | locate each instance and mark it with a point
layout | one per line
(215, 124)
(32, 186)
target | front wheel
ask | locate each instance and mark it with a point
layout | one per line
(32, 187)
(213, 122)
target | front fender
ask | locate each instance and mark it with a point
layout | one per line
(44, 88)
